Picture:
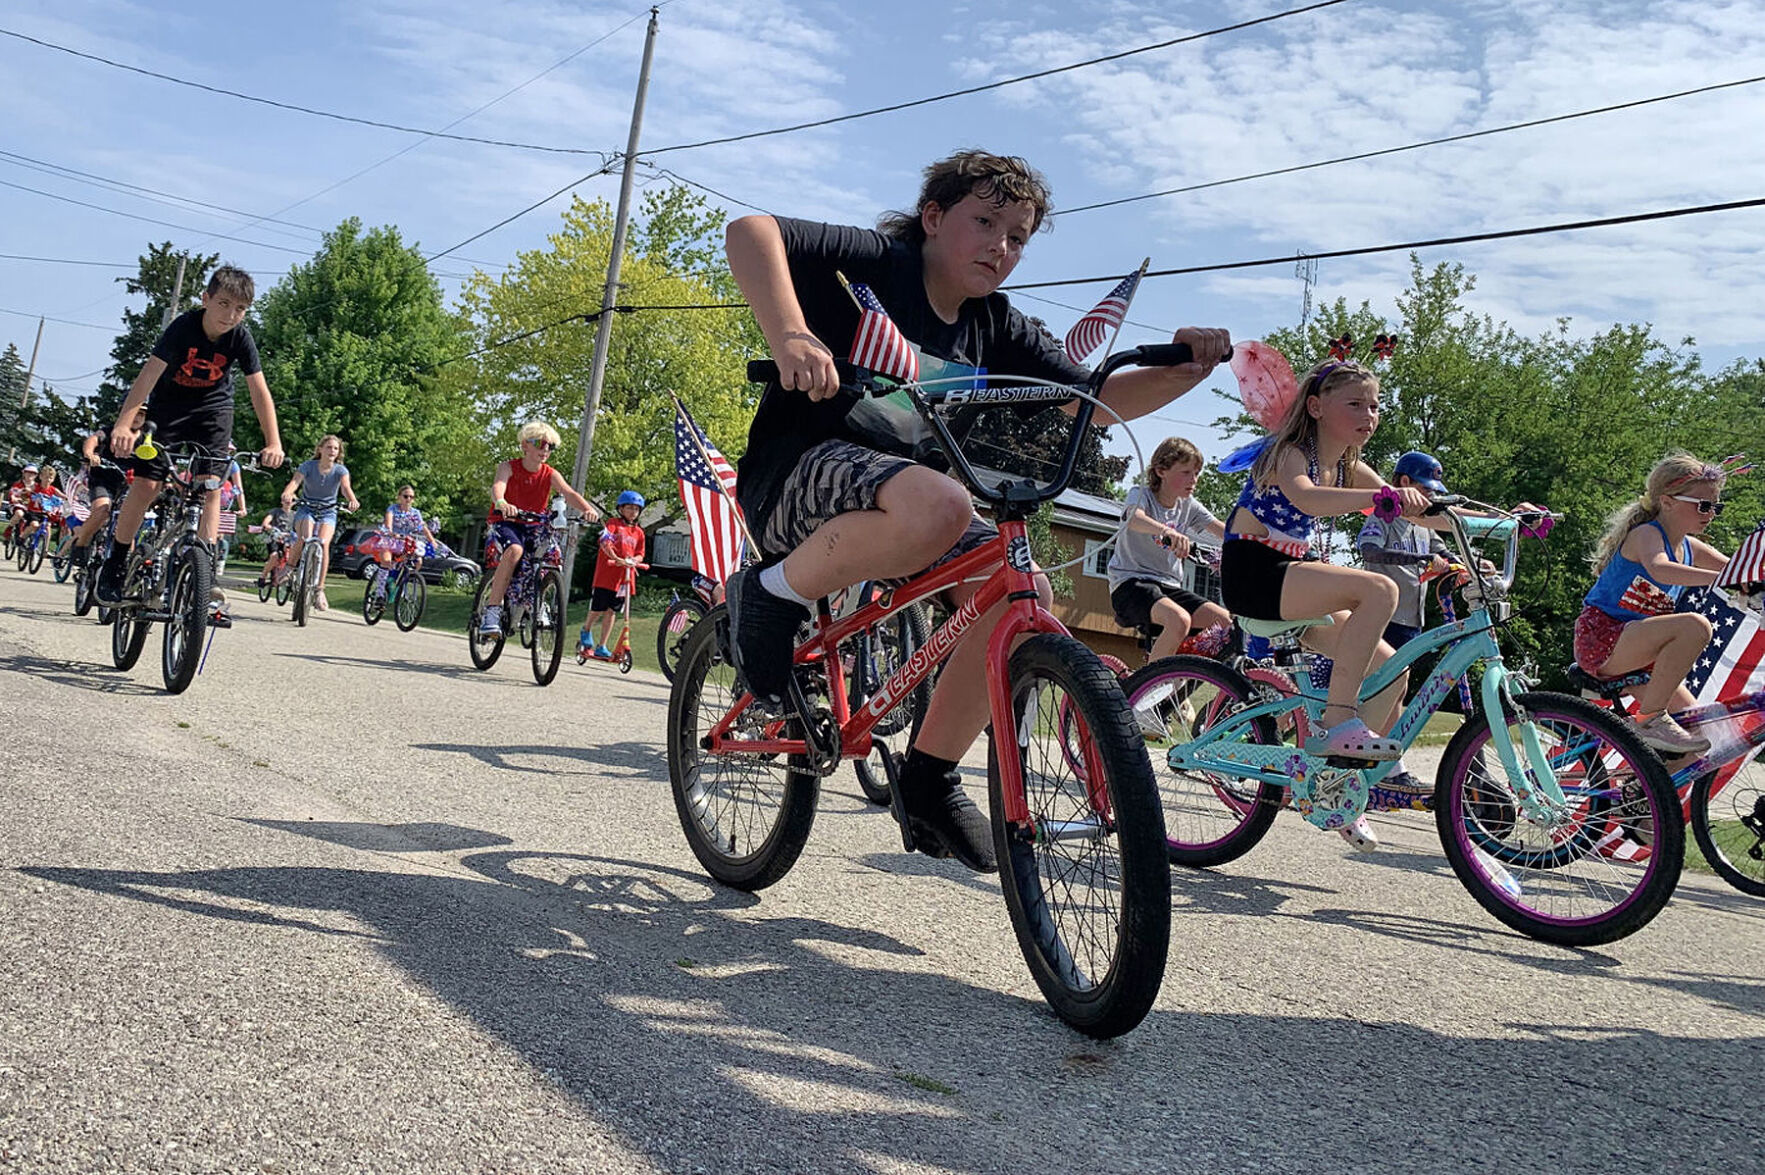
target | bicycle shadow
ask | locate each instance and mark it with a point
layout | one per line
(650, 996)
(420, 837)
(387, 665)
(113, 681)
(635, 757)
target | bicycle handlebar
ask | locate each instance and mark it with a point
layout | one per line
(1020, 495)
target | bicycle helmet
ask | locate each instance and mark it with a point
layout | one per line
(631, 498)
(33, 469)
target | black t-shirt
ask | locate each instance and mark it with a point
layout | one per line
(987, 336)
(199, 370)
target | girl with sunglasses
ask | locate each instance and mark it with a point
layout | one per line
(1648, 556)
(523, 486)
(403, 520)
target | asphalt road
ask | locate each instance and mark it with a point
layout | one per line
(350, 905)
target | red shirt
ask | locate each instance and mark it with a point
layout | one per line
(619, 539)
(16, 491)
(527, 491)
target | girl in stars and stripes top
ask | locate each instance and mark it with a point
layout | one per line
(1312, 468)
(1629, 621)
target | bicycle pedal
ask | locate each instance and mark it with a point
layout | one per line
(220, 620)
(897, 806)
(1349, 764)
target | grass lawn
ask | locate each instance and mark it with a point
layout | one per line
(448, 611)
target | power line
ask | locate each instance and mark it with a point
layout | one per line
(62, 261)
(1498, 130)
(52, 318)
(803, 126)
(602, 170)
(1499, 235)
(678, 178)
(390, 126)
(150, 220)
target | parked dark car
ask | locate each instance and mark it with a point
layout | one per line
(348, 557)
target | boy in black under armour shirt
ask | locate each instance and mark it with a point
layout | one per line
(187, 386)
(830, 487)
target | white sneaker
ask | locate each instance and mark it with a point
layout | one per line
(1360, 836)
(491, 623)
(1663, 733)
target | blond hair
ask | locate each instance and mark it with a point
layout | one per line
(330, 436)
(535, 430)
(1299, 428)
(1171, 452)
(1674, 471)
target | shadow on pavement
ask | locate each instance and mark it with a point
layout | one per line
(713, 1038)
(99, 678)
(644, 758)
(463, 671)
(427, 837)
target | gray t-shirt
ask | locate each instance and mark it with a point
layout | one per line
(1400, 550)
(320, 489)
(1140, 556)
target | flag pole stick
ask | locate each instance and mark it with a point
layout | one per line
(693, 432)
(1116, 334)
(847, 286)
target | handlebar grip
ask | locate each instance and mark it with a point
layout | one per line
(764, 371)
(1167, 354)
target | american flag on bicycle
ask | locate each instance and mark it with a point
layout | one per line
(1734, 662)
(879, 345)
(707, 490)
(1088, 333)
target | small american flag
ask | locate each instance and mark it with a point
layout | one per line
(707, 489)
(879, 345)
(1748, 564)
(1088, 333)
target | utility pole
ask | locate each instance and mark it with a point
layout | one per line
(24, 397)
(609, 298)
(171, 308)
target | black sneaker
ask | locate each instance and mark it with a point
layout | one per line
(762, 637)
(109, 589)
(944, 821)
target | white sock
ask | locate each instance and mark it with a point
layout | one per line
(773, 580)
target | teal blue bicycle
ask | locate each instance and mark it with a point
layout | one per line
(1528, 809)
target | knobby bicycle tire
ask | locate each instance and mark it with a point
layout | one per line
(484, 650)
(548, 622)
(412, 595)
(670, 644)
(187, 622)
(745, 817)
(1100, 979)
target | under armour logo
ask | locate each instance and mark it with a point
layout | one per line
(213, 369)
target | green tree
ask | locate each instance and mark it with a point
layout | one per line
(12, 389)
(60, 426)
(356, 342)
(156, 279)
(534, 335)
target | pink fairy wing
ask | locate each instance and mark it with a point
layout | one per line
(1266, 382)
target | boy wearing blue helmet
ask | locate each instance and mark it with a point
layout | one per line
(621, 548)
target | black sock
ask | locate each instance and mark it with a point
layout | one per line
(920, 769)
(119, 554)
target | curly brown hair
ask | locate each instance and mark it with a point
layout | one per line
(998, 179)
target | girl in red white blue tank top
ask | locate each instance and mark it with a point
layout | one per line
(1648, 556)
(1312, 469)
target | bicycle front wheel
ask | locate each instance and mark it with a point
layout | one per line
(1086, 883)
(1588, 871)
(548, 627)
(35, 552)
(62, 562)
(678, 620)
(410, 597)
(1210, 817)
(284, 578)
(374, 604)
(187, 619)
(745, 816)
(1728, 820)
(485, 648)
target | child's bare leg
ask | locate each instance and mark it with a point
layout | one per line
(505, 571)
(1315, 589)
(1176, 624)
(1672, 644)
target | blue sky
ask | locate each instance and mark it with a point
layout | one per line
(1357, 76)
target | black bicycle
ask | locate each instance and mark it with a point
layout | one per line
(170, 576)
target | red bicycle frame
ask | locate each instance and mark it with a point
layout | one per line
(1006, 563)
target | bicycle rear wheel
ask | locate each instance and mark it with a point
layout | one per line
(410, 597)
(548, 627)
(678, 620)
(746, 817)
(1591, 871)
(1210, 817)
(484, 649)
(1729, 823)
(62, 562)
(1086, 885)
(127, 638)
(876, 654)
(187, 619)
